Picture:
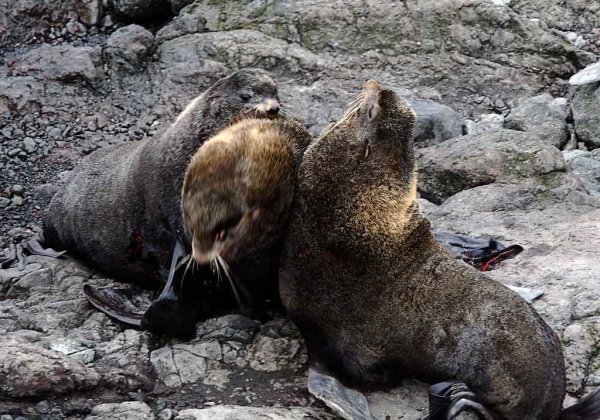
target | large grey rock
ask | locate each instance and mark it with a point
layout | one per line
(236, 412)
(30, 371)
(588, 170)
(586, 114)
(238, 49)
(435, 122)
(494, 51)
(481, 159)
(543, 115)
(128, 47)
(485, 123)
(61, 62)
(20, 93)
(130, 410)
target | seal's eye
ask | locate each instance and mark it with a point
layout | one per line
(224, 227)
(245, 97)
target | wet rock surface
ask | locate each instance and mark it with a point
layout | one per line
(79, 76)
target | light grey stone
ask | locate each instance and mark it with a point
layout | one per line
(30, 371)
(61, 62)
(588, 170)
(128, 47)
(29, 145)
(435, 122)
(542, 115)
(236, 412)
(586, 114)
(480, 159)
(130, 410)
(590, 74)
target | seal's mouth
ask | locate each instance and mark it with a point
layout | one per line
(270, 106)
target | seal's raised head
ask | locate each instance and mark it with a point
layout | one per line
(244, 90)
(238, 187)
(376, 115)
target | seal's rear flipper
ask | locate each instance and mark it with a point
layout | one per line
(347, 403)
(115, 304)
(17, 253)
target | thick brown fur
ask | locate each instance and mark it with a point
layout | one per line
(377, 299)
(240, 185)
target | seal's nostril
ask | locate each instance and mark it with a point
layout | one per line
(274, 109)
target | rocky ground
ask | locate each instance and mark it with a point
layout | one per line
(507, 148)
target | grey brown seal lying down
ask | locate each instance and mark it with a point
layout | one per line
(377, 299)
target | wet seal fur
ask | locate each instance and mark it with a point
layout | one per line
(376, 297)
(121, 208)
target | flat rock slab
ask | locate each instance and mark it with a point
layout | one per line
(233, 412)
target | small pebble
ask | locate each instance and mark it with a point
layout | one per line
(17, 189)
(17, 200)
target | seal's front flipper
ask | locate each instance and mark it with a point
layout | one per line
(115, 304)
(169, 315)
(347, 403)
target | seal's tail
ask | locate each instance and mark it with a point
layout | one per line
(588, 408)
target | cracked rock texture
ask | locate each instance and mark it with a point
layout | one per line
(79, 76)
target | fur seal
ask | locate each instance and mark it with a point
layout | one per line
(120, 210)
(377, 299)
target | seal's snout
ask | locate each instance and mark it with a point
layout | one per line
(372, 93)
(270, 105)
(372, 85)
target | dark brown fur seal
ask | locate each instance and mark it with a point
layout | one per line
(120, 211)
(376, 297)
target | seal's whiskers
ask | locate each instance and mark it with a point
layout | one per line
(227, 272)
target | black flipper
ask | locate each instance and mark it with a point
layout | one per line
(169, 315)
(115, 304)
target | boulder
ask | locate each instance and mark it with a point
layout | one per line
(30, 371)
(237, 412)
(435, 122)
(480, 159)
(129, 410)
(588, 170)
(543, 115)
(128, 47)
(61, 62)
(586, 114)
